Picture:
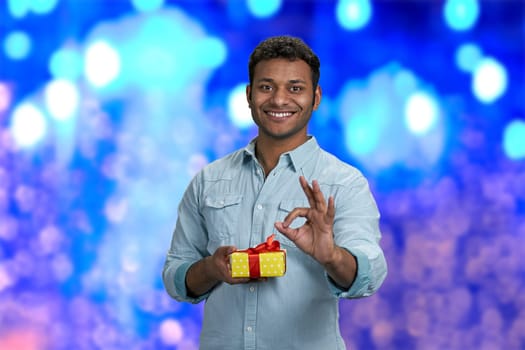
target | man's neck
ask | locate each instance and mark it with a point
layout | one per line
(269, 151)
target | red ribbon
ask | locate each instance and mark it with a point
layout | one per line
(271, 245)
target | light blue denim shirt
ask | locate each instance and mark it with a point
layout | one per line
(231, 203)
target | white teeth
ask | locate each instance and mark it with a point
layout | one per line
(280, 114)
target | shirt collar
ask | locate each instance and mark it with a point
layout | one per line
(297, 157)
(249, 150)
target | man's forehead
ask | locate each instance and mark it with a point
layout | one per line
(283, 61)
(283, 69)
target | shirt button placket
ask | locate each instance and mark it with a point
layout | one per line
(251, 296)
(251, 316)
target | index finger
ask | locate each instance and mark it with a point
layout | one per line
(295, 213)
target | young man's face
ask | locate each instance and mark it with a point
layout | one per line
(282, 99)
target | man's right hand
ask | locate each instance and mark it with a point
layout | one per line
(218, 266)
(211, 270)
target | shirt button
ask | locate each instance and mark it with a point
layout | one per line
(249, 329)
(259, 206)
(252, 289)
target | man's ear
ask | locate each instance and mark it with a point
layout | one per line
(249, 95)
(318, 93)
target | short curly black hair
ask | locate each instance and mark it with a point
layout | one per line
(288, 47)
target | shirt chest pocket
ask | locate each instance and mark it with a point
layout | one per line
(221, 213)
(285, 207)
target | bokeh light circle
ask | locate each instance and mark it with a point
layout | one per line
(514, 139)
(28, 125)
(489, 80)
(102, 63)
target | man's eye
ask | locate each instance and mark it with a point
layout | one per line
(296, 89)
(266, 87)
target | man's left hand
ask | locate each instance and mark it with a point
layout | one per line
(315, 237)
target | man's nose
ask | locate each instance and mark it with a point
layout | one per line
(280, 97)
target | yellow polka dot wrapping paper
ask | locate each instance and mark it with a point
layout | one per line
(264, 260)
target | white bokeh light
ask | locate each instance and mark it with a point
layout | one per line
(420, 113)
(238, 109)
(28, 125)
(102, 64)
(489, 81)
(62, 98)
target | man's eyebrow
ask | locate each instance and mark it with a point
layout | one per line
(269, 80)
(297, 81)
(291, 81)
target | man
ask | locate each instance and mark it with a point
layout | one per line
(320, 209)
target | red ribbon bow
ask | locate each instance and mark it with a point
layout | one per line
(271, 245)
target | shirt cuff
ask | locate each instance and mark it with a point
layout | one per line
(360, 285)
(180, 284)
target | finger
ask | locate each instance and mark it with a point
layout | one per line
(307, 191)
(331, 208)
(290, 233)
(320, 202)
(228, 278)
(283, 229)
(297, 212)
(225, 250)
(221, 258)
(239, 280)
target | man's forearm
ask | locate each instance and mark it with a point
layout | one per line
(343, 269)
(198, 280)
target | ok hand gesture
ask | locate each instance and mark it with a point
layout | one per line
(315, 237)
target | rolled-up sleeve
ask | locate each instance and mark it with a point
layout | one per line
(356, 228)
(188, 245)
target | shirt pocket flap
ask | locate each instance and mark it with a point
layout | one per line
(291, 204)
(222, 201)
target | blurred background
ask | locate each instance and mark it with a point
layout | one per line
(108, 108)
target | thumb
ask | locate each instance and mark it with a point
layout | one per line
(279, 225)
(224, 251)
(229, 249)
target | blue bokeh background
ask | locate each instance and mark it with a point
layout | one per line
(108, 108)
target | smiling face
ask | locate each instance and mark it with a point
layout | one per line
(282, 99)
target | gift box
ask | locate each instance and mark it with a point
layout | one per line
(265, 260)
